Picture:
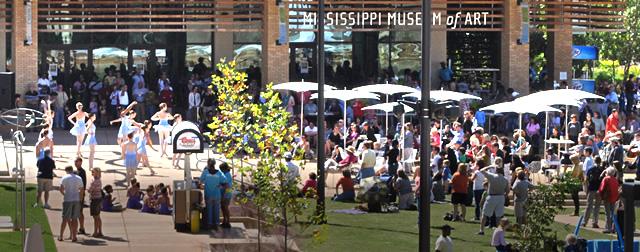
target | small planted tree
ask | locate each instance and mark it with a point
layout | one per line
(265, 123)
(544, 203)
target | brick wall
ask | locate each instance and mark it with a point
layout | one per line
(515, 58)
(25, 58)
(275, 58)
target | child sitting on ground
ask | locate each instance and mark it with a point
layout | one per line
(109, 203)
(134, 196)
(348, 193)
(405, 193)
(164, 202)
(310, 186)
(571, 243)
(497, 240)
(149, 205)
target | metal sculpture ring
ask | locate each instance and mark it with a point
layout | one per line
(23, 117)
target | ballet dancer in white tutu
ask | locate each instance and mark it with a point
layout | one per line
(163, 128)
(127, 123)
(143, 138)
(79, 128)
(177, 118)
(90, 140)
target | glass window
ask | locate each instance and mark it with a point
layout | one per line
(338, 53)
(106, 56)
(405, 56)
(247, 55)
(79, 57)
(406, 36)
(161, 55)
(199, 37)
(54, 62)
(341, 36)
(196, 51)
(383, 55)
(245, 37)
(140, 57)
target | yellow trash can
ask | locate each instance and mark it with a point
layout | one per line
(195, 221)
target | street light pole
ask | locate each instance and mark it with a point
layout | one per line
(320, 207)
(425, 125)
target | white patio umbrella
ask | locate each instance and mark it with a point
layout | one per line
(536, 98)
(567, 97)
(301, 86)
(444, 95)
(346, 95)
(387, 89)
(520, 108)
(388, 107)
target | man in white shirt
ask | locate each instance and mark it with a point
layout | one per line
(311, 131)
(43, 81)
(194, 104)
(72, 190)
(293, 171)
(444, 243)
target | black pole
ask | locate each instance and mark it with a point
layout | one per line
(425, 126)
(628, 193)
(320, 148)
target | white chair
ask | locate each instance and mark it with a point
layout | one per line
(408, 163)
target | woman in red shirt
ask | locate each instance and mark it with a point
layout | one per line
(459, 184)
(609, 192)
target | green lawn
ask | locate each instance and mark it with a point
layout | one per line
(10, 241)
(399, 231)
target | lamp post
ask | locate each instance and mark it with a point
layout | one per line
(320, 207)
(425, 124)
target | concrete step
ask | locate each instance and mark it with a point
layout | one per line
(6, 225)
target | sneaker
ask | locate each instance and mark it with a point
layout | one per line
(35, 205)
(480, 233)
(81, 231)
(46, 206)
(226, 225)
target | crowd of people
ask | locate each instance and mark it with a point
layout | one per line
(473, 166)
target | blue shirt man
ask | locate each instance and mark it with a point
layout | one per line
(445, 73)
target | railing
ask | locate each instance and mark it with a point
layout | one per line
(580, 15)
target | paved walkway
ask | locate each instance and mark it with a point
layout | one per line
(129, 230)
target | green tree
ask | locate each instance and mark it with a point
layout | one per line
(623, 47)
(544, 203)
(241, 122)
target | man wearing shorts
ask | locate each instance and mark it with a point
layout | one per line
(497, 191)
(45, 166)
(70, 187)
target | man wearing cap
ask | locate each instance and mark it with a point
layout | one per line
(293, 171)
(612, 122)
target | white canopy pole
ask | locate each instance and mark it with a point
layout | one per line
(386, 118)
(402, 136)
(546, 131)
(344, 126)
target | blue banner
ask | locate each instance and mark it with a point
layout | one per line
(585, 85)
(585, 52)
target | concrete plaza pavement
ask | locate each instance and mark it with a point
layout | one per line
(129, 230)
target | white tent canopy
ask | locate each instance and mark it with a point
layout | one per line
(387, 107)
(301, 86)
(519, 107)
(346, 95)
(387, 89)
(444, 95)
